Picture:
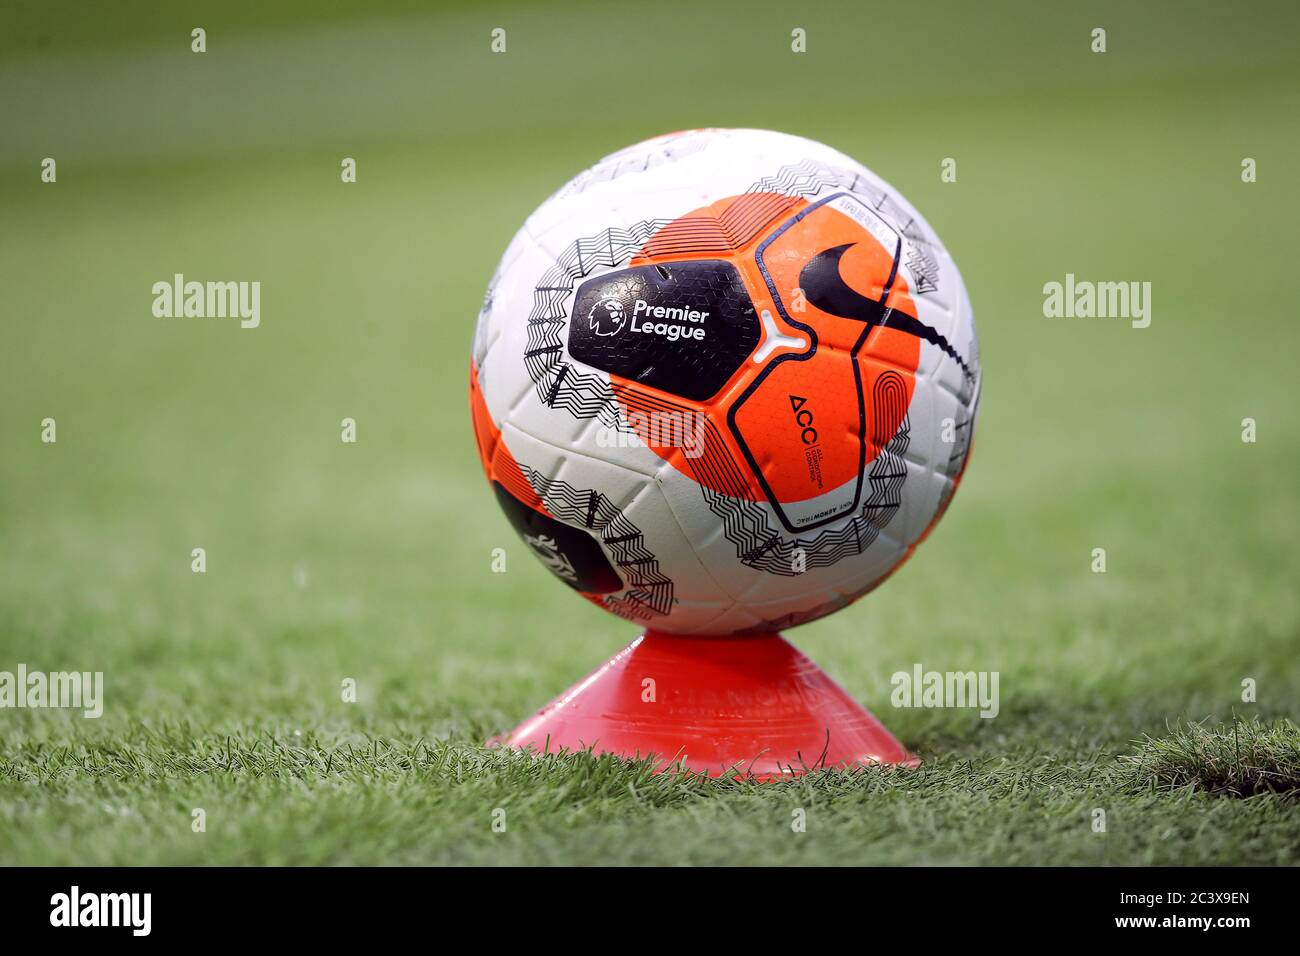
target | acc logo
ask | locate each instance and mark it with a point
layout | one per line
(608, 316)
(803, 417)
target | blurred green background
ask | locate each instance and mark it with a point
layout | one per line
(372, 561)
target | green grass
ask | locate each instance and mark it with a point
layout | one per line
(1243, 761)
(299, 800)
(1120, 691)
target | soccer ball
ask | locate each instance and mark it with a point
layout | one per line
(724, 381)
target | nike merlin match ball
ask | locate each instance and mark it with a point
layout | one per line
(724, 381)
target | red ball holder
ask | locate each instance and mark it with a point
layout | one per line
(713, 705)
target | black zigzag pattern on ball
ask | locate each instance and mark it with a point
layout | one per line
(650, 591)
(923, 266)
(747, 525)
(808, 178)
(634, 159)
(761, 546)
(559, 383)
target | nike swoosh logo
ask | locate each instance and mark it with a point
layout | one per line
(825, 288)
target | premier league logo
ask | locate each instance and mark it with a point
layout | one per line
(607, 317)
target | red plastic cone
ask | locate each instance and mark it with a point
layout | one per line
(717, 705)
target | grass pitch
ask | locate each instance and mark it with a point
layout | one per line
(327, 561)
